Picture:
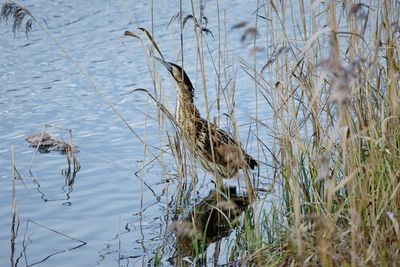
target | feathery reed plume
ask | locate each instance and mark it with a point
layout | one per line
(16, 13)
(185, 18)
(250, 31)
(240, 24)
(358, 11)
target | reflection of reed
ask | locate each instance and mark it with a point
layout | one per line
(28, 241)
(67, 187)
(208, 222)
(15, 217)
(28, 237)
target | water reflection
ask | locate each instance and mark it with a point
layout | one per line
(208, 222)
(67, 187)
(45, 143)
(29, 241)
(51, 90)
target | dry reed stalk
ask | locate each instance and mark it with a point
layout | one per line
(15, 217)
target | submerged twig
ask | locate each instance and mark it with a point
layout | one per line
(44, 142)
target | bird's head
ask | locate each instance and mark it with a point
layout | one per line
(177, 73)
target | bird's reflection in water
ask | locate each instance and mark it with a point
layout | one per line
(208, 222)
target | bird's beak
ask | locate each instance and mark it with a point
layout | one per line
(166, 64)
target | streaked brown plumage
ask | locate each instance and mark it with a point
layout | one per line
(229, 156)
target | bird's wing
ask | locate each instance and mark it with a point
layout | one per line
(226, 149)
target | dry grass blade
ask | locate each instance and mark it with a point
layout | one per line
(16, 13)
(351, 33)
(73, 164)
(152, 41)
(395, 223)
(187, 18)
(277, 52)
(160, 105)
(175, 17)
(132, 34)
(207, 31)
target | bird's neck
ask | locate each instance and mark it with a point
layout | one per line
(185, 108)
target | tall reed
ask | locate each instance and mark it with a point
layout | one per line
(331, 79)
(337, 135)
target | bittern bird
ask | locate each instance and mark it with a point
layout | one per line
(215, 149)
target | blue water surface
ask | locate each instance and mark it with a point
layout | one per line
(111, 215)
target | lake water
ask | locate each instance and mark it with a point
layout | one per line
(109, 216)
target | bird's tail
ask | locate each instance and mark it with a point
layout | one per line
(252, 163)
